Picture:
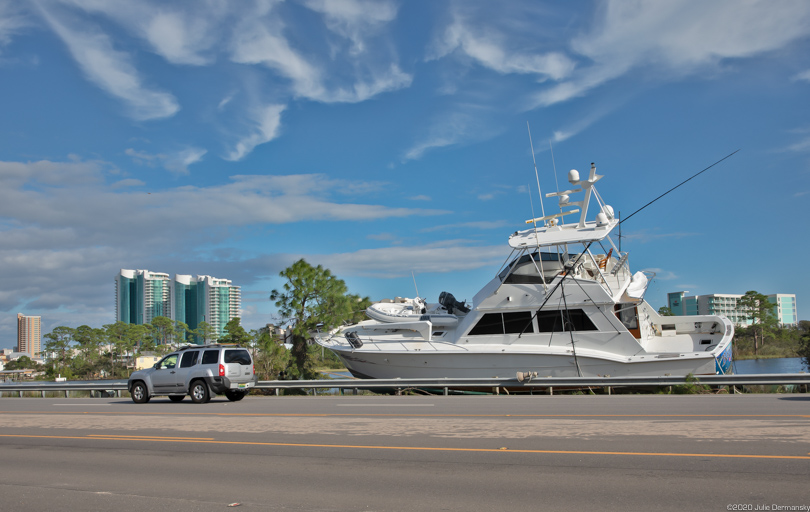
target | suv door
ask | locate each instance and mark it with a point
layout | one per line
(163, 378)
(188, 360)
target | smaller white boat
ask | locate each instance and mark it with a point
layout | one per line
(445, 313)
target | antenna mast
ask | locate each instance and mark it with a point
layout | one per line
(537, 176)
(554, 167)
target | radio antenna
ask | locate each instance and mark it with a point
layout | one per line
(537, 176)
(678, 185)
(414, 284)
(554, 166)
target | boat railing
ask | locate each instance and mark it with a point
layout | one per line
(404, 344)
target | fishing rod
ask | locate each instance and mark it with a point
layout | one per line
(678, 185)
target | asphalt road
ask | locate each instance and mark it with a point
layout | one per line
(485, 453)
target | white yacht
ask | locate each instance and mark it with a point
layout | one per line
(565, 304)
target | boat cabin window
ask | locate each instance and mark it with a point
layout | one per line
(561, 321)
(503, 323)
(524, 271)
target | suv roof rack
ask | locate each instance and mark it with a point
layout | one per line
(209, 345)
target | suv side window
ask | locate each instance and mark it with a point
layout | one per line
(210, 357)
(169, 361)
(240, 356)
(189, 359)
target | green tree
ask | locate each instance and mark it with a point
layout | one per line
(22, 363)
(804, 347)
(270, 358)
(123, 341)
(665, 311)
(204, 332)
(757, 308)
(312, 298)
(181, 336)
(235, 333)
(58, 349)
(89, 341)
(163, 330)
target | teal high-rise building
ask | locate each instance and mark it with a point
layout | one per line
(141, 295)
(206, 299)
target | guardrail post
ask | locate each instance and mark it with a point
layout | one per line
(21, 394)
(551, 390)
(354, 391)
(67, 393)
(43, 393)
(445, 391)
(277, 393)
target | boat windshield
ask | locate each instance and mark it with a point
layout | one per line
(524, 268)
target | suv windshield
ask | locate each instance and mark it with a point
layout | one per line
(240, 356)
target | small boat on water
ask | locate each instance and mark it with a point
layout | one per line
(564, 305)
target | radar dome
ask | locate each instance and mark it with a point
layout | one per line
(573, 176)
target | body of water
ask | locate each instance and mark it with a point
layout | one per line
(779, 365)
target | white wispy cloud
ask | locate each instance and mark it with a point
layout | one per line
(260, 40)
(179, 34)
(110, 69)
(661, 274)
(480, 225)
(440, 257)
(804, 76)
(265, 127)
(800, 146)
(34, 195)
(497, 51)
(12, 21)
(176, 162)
(464, 125)
(355, 20)
(677, 37)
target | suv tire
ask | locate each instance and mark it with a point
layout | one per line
(199, 392)
(140, 395)
(235, 396)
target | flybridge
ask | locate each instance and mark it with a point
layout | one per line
(551, 231)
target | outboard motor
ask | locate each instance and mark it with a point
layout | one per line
(450, 303)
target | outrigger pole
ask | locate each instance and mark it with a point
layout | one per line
(678, 185)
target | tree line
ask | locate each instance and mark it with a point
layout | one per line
(86, 352)
(311, 300)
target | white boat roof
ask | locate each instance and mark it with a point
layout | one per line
(543, 236)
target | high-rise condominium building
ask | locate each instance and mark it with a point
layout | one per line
(728, 305)
(29, 334)
(141, 295)
(185, 298)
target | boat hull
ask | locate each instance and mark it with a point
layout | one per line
(383, 365)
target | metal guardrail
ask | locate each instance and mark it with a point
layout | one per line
(774, 379)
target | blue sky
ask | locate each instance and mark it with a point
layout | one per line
(381, 138)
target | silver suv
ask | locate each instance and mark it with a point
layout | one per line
(196, 370)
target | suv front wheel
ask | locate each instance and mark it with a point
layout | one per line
(199, 392)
